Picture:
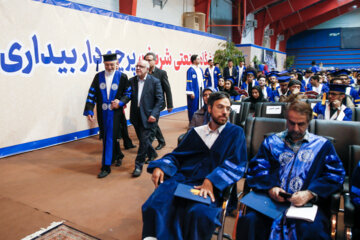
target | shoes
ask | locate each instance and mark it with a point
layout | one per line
(136, 172)
(128, 147)
(103, 173)
(160, 146)
(151, 159)
(118, 162)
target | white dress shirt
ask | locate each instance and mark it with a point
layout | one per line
(141, 83)
(207, 135)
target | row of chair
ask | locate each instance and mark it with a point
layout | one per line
(345, 137)
(272, 110)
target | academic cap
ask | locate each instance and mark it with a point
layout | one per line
(209, 88)
(338, 88)
(342, 72)
(283, 79)
(273, 74)
(110, 57)
(230, 79)
(250, 72)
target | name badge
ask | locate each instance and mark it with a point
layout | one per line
(273, 109)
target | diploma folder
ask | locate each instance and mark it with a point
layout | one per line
(262, 203)
(188, 192)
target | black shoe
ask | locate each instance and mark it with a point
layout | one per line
(160, 146)
(151, 159)
(136, 172)
(103, 174)
(118, 162)
(131, 146)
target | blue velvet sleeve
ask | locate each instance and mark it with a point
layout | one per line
(234, 166)
(355, 186)
(348, 114)
(332, 176)
(263, 170)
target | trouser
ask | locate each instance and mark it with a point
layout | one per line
(145, 147)
(156, 132)
(124, 132)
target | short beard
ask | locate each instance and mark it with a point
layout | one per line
(218, 123)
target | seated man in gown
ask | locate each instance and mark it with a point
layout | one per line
(210, 158)
(301, 164)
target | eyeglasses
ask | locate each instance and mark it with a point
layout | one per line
(334, 94)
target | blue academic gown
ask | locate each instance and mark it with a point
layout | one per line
(324, 88)
(167, 217)
(321, 111)
(315, 167)
(275, 96)
(108, 119)
(192, 87)
(215, 77)
(245, 85)
(354, 94)
(355, 198)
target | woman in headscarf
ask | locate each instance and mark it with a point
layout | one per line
(255, 97)
(229, 88)
(221, 85)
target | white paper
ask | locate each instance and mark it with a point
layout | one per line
(273, 109)
(236, 108)
(304, 213)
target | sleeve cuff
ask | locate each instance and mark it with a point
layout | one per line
(121, 104)
(88, 112)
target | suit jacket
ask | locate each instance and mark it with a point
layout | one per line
(165, 85)
(235, 74)
(150, 102)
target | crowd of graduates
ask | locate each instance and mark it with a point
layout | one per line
(248, 84)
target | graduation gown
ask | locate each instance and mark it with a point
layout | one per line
(355, 198)
(350, 91)
(323, 112)
(192, 87)
(212, 81)
(168, 217)
(315, 167)
(109, 120)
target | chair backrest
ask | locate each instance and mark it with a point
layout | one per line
(354, 156)
(345, 133)
(356, 114)
(242, 111)
(257, 128)
(270, 109)
(313, 102)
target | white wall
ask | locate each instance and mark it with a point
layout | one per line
(351, 19)
(248, 34)
(171, 12)
(111, 5)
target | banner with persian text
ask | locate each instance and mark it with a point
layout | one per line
(49, 51)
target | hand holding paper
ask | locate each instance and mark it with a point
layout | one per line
(300, 198)
(206, 189)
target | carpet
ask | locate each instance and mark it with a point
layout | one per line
(60, 231)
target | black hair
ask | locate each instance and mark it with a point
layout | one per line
(315, 77)
(216, 96)
(150, 54)
(193, 58)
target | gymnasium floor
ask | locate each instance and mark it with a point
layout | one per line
(59, 183)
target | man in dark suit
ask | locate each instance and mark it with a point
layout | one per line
(162, 76)
(146, 102)
(231, 72)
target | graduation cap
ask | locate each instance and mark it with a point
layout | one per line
(230, 79)
(107, 58)
(283, 72)
(284, 79)
(253, 72)
(273, 74)
(338, 88)
(342, 72)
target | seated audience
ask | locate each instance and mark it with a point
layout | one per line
(250, 81)
(220, 85)
(301, 164)
(229, 88)
(316, 86)
(255, 97)
(211, 158)
(282, 90)
(266, 91)
(334, 109)
(202, 116)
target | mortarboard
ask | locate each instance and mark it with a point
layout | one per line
(110, 57)
(188, 192)
(273, 74)
(283, 79)
(338, 88)
(342, 72)
(209, 88)
(230, 79)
